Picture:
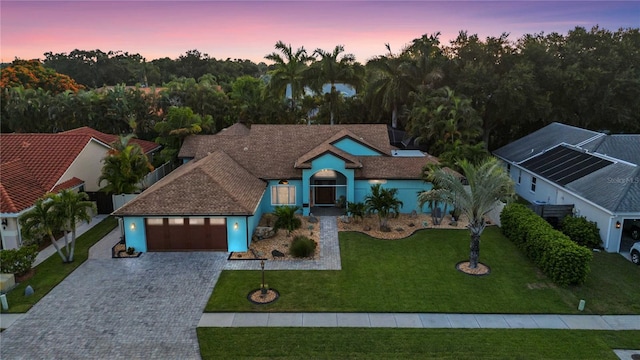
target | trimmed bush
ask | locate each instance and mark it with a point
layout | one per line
(18, 261)
(582, 231)
(562, 260)
(302, 246)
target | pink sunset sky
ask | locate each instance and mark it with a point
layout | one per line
(249, 29)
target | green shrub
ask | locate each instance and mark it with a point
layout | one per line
(581, 231)
(18, 261)
(302, 246)
(561, 259)
(356, 210)
(287, 218)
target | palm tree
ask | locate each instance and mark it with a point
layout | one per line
(286, 218)
(331, 70)
(488, 184)
(41, 220)
(124, 167)
(72, 207)
(383, 202)
(392, 79)
(288, 71)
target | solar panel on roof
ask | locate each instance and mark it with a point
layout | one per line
(563, 165)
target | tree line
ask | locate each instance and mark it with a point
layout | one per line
(457, 99)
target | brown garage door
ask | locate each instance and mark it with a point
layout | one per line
(195, 234)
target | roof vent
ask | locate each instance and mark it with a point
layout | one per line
(245, 148)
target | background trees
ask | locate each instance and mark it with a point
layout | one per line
(587, 77)
(124, 167)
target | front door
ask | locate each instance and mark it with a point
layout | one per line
(325, 194)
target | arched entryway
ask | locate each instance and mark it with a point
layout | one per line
(327, 189)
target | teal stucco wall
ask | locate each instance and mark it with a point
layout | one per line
(135, 235)
(407, 192)
(355, 148)
(237, 239)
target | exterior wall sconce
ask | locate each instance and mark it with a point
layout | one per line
(235, 226)
(4, 224)
(132, 226)
(283, 182)
(618, 225)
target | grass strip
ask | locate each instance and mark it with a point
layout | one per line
(52, 271)
(359, 343)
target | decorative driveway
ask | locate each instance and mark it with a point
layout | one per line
(141, 308)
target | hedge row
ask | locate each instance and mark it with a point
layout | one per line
(562, 260)
(18, 261)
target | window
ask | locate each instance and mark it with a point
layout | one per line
(283, 195)
(196, 221)
(509, 169)
(216, 221)
(155, 221)
(174, 221)
(533, 184)
(519, 176)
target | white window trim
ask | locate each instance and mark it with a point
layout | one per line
(291, 194)
(534, 184)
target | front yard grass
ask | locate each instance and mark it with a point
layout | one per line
(418, 274)
(385, 343)
(52, 271)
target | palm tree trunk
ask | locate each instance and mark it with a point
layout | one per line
(55, 245)
(394, 117)
(73, 244)
(474, 253)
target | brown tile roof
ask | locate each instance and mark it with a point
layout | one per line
(304, 161)
(383, 167)
(147, 146)
(213, 185)
(271, 151)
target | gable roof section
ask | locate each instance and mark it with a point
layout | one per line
(147, 146)
(271, 151)
(33, 163)
(614, 187)
(625, 147)
(549, 136)
(347, 134)
(563, 165)
(214, 185)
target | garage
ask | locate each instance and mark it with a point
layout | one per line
(186, 234)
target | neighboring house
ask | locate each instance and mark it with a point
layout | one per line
(33, 165)
(215, 200)
(597, 173)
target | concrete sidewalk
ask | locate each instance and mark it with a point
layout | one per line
(50, 250)
(417, 320)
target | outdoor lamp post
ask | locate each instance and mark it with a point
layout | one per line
(263, 288)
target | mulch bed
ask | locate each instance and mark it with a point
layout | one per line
(480, 270)
(258, 298)
(119, 251)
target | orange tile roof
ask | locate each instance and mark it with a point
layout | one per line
(32, 164)
(214, 185)
(147, 146)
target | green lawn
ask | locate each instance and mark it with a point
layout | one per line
(418, 274)
(52, 271)
(354, 343)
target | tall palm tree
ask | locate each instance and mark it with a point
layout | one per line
(328, 69)
(392, 79)
(72, 207)
(384, 203)
(488, 183)
(124, 167)
(288, 71)
(41, 220)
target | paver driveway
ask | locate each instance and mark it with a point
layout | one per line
(143, 308)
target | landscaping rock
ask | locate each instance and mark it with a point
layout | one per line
(263, 232)
(277, 253)
(344, 219)
(366, 228)
(399, 229)
(411, 224)
(312, 219)
(414, 214)
(28, 291)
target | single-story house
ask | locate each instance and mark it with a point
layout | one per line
(33, 165)
(215, 200)
(597, 173)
